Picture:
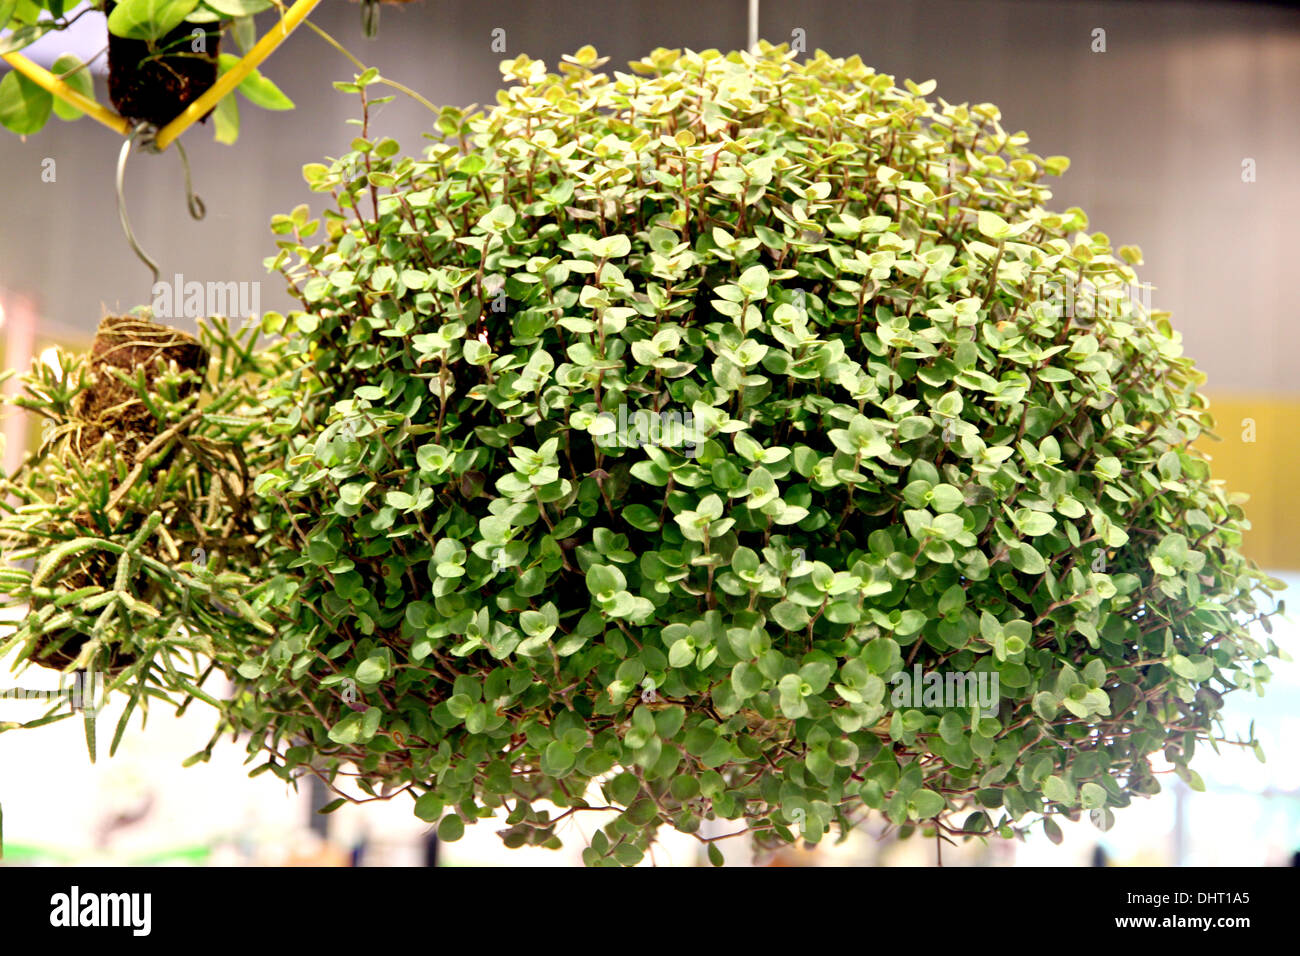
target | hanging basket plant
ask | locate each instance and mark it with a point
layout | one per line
(153, 78)
(112, 426)
(162, 56)
(636, 446)
(124, 530)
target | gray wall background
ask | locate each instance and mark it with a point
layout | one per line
(1157, 128)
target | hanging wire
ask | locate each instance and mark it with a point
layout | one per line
(370, 18)
(192, 200)
(140, 130)
(144, 136)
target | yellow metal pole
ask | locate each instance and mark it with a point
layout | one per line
(236, 74)
(48, 81)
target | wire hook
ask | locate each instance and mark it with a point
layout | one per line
(144, 135)
(122, 155)
(192, 200)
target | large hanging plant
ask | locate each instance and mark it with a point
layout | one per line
(498, 581)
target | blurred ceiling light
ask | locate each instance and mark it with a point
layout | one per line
(50, 359)
(2, 314)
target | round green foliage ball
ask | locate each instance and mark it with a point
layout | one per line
(733, 438)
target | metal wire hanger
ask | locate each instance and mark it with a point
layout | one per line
(143, 136)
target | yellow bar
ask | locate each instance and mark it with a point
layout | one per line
(48, 81)
(1258, 454)
(236, 74)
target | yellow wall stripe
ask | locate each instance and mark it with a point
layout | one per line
(1259, 455)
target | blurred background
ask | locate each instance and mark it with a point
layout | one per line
(1181, 121)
